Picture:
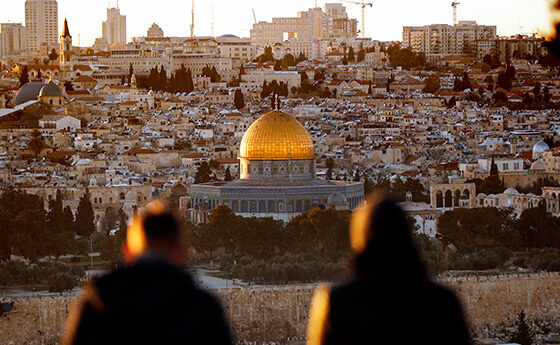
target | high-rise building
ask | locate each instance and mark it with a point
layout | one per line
(41, 23)
(12, 38)
(114, 28)
(315, 23)
(439, 40)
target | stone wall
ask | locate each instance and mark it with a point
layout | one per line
(280, 313)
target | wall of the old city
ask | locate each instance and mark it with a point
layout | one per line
(280, 313)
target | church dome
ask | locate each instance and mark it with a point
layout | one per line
(276, 136)
(28, 92)
(50, 90)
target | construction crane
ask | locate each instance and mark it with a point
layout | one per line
(213, 20)
(192, 20)
(364, 5)
(254, 16)
(454, 5)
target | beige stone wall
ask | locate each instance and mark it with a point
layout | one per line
(279, 313)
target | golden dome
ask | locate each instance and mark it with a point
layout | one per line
(276, 136)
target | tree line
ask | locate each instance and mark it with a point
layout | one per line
(321, 232)
(180, 80)
(29, 230)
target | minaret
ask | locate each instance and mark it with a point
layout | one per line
(65, 49)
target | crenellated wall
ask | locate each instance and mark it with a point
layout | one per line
(279, 313)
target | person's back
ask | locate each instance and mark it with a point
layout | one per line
(371, 311)
(152, 301)
(389, 300)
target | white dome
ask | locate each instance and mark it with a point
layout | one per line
(511, 191)
(337, 199)
(540, 148)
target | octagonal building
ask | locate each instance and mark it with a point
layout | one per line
(277, 176)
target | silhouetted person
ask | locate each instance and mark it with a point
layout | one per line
(153, 300)
(389, 299)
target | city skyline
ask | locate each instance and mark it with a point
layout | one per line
(85, 18)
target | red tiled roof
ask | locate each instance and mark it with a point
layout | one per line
(139, 151)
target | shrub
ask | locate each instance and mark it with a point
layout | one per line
(61, 282)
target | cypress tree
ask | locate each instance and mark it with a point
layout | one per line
(84, 219)
(189, 87)
(238, 99)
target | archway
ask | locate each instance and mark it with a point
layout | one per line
(439, 199)
(448, 199)
(176, 193)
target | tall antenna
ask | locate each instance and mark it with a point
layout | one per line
(117, 4)
(79, 45)
(213, 20)
(192, 19)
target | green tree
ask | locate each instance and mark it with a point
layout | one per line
(301, 57)
(238, 100)
(499, 97)
(130, 74)
(53, 56)
(110, 220)
(478, 227)
(452, 102)
(266, 55)
(432, 84)
(361, 55)
(523, 334)
(24, 76)
(228, 176)
(36, 143)
(351, 56)
(84, 219)
(288, 60)
(203, 173)
(538, 228)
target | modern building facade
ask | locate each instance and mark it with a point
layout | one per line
(114, 28)
(41, 23)
(515, 47)
(236, 48)
(439, 40)
(12, 38)
(332, 23)
(277, 176)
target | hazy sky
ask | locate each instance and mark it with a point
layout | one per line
(383, 22)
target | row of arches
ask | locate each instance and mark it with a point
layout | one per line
(448, 198)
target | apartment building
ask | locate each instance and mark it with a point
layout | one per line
(41, 23)
(12, 38)
(439, 40)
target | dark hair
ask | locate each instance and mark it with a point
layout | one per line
(160, 226)
(390, 249)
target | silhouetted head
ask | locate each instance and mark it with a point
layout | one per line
(155, 229)
(381, 240)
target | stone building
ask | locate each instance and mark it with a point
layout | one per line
(277, 176)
